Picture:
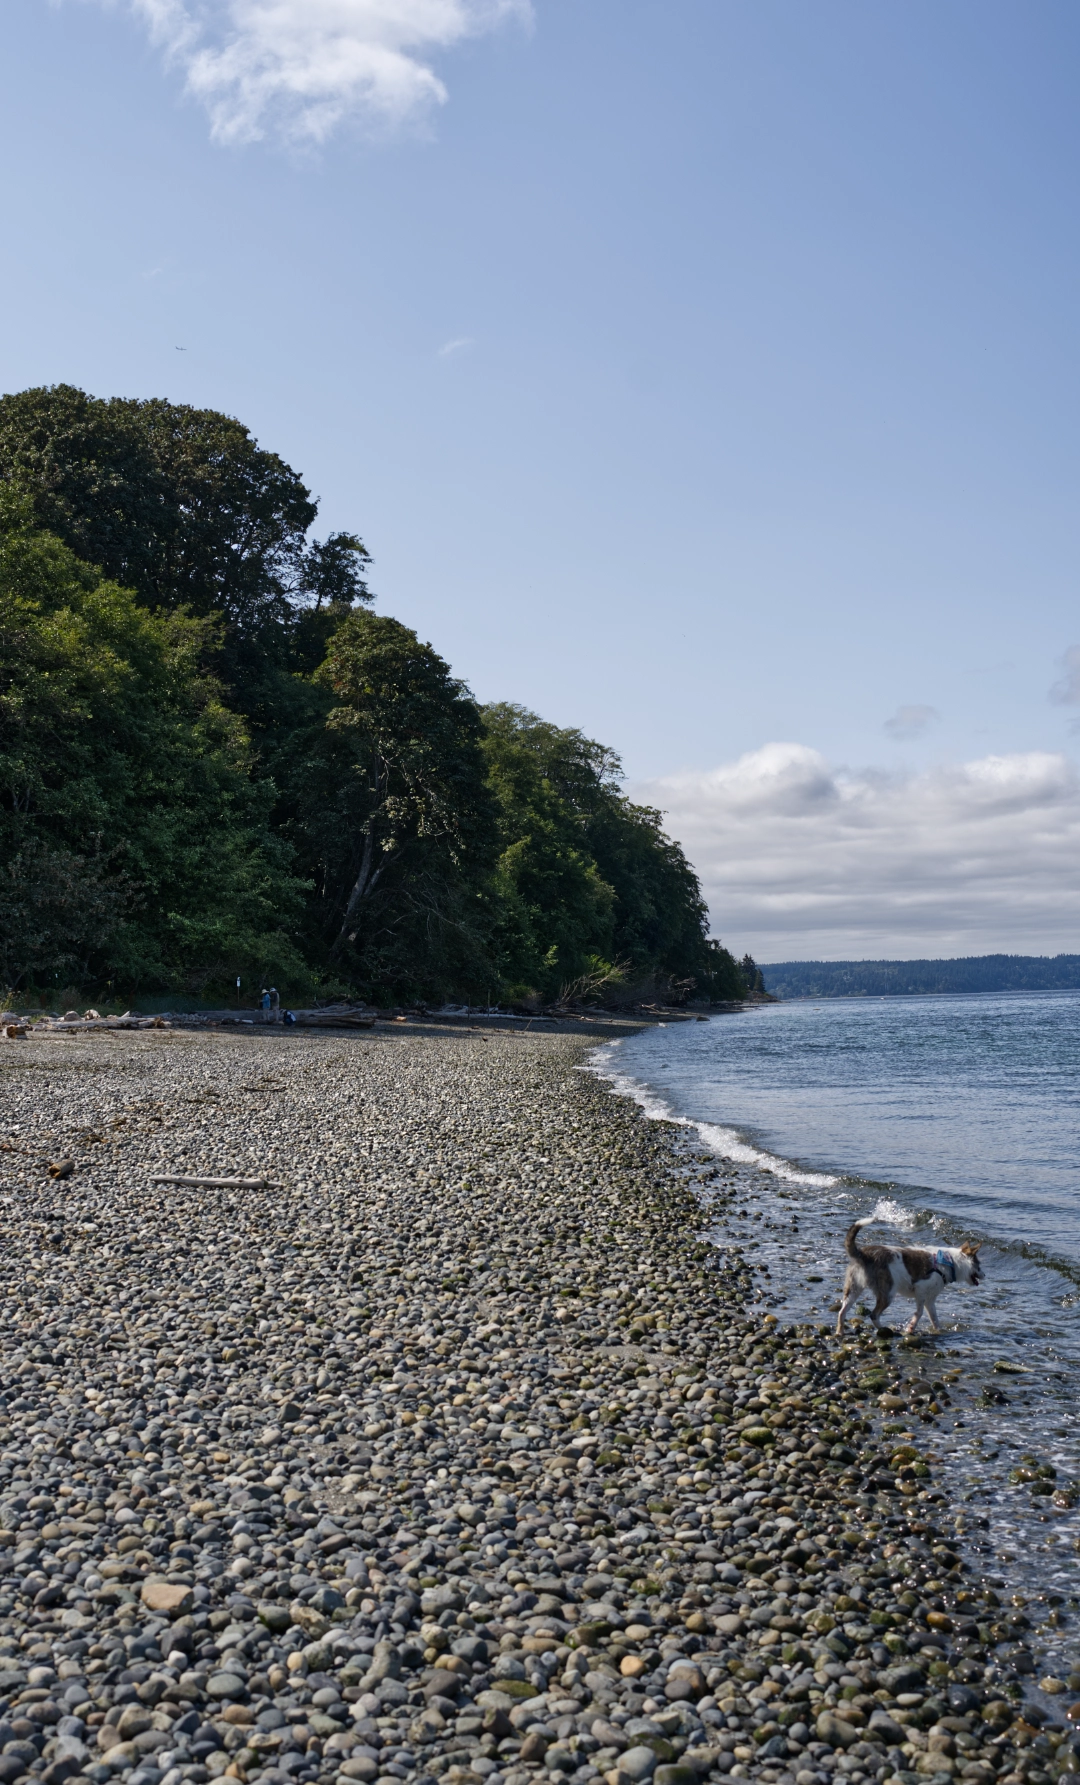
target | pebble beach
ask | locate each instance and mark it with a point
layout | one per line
(457, 1450)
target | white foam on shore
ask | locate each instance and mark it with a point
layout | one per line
(726, 1143)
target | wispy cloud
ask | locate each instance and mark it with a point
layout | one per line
(1066, 692)
(801, 860)
(910, 722)
(449, 348)
(302, 67)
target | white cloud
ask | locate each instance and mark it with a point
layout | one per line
(910, 722)
(459, 345)
(803, 861)
(301, 67)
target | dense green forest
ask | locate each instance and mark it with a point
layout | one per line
(899, 979)
(217, 760)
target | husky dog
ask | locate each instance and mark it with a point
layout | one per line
(887, 1271)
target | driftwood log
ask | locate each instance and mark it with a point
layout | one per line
(88, 1025)
(203, 1019)
(340, 1018)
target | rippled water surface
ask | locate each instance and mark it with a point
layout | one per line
(975, 1098)
(952, 1119)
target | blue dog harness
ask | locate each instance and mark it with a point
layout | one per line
(945, 1264)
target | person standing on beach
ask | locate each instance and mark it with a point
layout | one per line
(275, 1003)
(264, 1002)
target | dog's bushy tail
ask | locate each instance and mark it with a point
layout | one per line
(851, 1238)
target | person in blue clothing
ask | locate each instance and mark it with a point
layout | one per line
(264, 1003)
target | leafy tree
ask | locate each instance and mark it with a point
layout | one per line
(134, 840)
(58, 911)
(586, 877)
(556, 918)
(753, 977)
(385, 802)
(184, 507)
(329, 799)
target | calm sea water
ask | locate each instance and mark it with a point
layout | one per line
(950, 1118)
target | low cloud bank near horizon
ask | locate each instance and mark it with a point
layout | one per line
(300, 68)
(803, 861)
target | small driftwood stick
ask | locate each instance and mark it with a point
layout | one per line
(218, 1183)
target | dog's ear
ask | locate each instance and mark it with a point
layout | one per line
(971, 1251)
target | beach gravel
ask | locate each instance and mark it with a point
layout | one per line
(456, 1452)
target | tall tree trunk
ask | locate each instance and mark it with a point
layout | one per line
(360, 886)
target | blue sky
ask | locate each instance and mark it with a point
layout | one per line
(700, 374)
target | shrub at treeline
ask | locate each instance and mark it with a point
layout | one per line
(216, 760)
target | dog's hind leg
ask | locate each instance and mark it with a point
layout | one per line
(851, 1296)
(884, 1298)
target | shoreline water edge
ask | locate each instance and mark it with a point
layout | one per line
(457, 1451)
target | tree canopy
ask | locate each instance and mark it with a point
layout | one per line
(134, 836)
(179, 504)
(384, 800)
(589, 881)
(215, 759)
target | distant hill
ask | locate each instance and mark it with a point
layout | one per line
(897, 979)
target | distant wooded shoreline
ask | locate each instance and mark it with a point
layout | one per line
(898, 979)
